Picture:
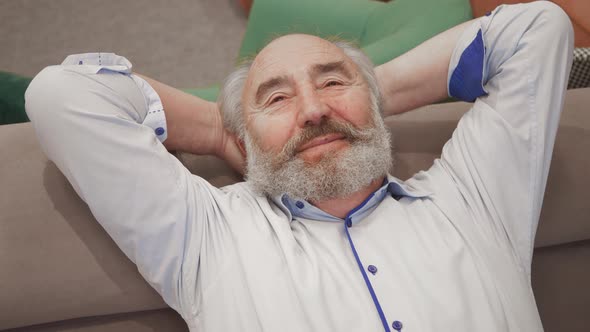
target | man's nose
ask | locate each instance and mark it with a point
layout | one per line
(312, 110)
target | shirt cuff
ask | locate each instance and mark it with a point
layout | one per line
(95, 63)
(155, 118)
(467, 69)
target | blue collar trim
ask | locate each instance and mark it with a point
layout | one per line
(300, 208)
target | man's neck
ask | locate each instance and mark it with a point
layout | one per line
(340, 207)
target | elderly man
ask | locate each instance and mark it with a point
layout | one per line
(320, 237)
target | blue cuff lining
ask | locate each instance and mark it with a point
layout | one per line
(466, 82)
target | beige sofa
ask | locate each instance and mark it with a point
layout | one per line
(59, 271)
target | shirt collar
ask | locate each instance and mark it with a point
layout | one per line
(294, 207)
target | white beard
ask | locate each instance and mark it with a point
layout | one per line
(337, 174)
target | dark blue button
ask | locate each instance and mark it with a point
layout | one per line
(348, 222)
(80, 62)
(488, 13)
(372, 269)
(160, 131)
(397, 325)
(299, 204)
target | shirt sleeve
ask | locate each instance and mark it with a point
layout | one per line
(103, 126)
(514, 63)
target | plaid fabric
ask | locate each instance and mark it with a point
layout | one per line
(580, 75)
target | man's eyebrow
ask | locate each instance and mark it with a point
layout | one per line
(269, 85)
(336, 66)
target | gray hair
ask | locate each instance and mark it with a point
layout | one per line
(230, 95)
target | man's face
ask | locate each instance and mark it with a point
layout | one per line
(311, 131)
(299, 81)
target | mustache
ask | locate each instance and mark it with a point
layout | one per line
(350, 133)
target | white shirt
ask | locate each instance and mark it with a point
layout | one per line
(452, 253)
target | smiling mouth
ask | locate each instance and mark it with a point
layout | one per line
(321, 140)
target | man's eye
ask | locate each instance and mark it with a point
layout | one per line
(277, 99)
(332, 83)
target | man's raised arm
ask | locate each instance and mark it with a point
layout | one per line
(514, 65)
(103, 127)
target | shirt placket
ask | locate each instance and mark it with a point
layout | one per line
(372, 269)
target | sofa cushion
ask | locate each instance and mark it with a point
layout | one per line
(164, 320)
(560, 277)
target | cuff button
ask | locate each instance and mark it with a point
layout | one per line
(160, 131)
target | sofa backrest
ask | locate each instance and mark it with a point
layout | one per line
(57, 263)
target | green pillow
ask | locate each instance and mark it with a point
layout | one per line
(12, 98)
(383, 30)
(401, 25)
(269, 18)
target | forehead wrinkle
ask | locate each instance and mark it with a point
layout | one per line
(307, 46)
